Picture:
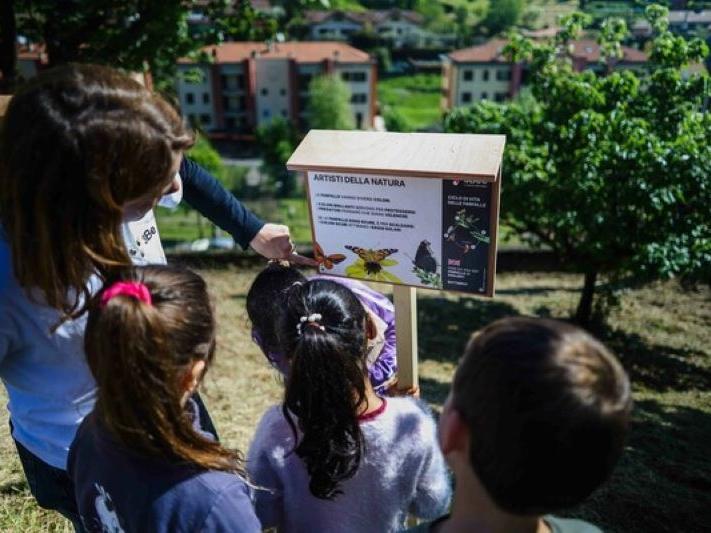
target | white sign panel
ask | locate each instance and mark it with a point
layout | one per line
(423, 232)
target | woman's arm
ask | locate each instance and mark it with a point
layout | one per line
(204, 193)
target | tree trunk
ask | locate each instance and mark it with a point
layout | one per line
(585, 305)
(8, 52)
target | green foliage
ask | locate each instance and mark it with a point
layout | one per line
(329, 104)
(415, 98)
(502, 15)
(207, 157)
(612, 172)
(133, 34)
(395, 120)
(278, 140)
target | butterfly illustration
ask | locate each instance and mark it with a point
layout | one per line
(424, 257)
(373, 260)
(327, 261)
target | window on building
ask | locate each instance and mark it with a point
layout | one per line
(468, 75)
(485, 75)
(230, 123)
(500, 97)
(304, 81)
(359, 120)
(323, 31)
(189, 98)
(266, 113)
(282, 92)
(205, 119)
(354, 76)
(484, 95)
(226, 103)
(265, 91)
(359, 98)
(466, 97)
(503, 74)
(224, 80)
(205, 98)
(284, 113)
(242, 102)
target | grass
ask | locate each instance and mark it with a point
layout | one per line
(660, 333)
(415, 97)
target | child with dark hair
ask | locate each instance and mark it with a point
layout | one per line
(335, 456)
(535, 422)
(265, 301)
(140, 461)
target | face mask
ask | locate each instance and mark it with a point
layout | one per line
(172, 200)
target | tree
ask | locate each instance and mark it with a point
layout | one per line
(278, 141)
(612, 172)
(131, 34)
(502, 14)
(329, 104)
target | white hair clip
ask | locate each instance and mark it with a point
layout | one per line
(312, 319)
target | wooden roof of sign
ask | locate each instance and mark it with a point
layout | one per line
(426, 155)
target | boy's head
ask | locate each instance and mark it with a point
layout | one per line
(539, 410)
(265, 301)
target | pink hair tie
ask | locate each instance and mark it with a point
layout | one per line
(133, 289)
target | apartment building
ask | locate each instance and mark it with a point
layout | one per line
(484, 73)
(250, 83)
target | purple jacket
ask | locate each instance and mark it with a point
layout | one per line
(382, 368)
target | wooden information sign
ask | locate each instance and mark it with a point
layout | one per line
(409, 209)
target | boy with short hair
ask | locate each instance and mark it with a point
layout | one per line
(535, 422)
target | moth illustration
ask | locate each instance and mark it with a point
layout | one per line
(424, 257)
(327, 261)
(372, 259)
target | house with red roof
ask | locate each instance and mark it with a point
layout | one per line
(248, 84)
(484, 72)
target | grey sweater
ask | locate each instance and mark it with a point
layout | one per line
(401, 472)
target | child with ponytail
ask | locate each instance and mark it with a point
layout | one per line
(140, 461)
(265, 301)
(335, 456)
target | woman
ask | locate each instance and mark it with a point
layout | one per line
(85, 155)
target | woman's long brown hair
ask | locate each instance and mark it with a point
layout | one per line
(139, 354)
(76, 144)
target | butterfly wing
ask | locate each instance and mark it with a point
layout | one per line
(334, 259)
(319, 256)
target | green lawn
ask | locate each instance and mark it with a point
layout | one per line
(660, 333)
(415, 97)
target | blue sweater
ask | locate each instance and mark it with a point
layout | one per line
(122, 491)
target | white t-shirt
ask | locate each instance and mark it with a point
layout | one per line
(48, 381)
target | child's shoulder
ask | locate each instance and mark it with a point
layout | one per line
(411, 416)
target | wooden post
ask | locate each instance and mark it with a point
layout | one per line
(406, 331)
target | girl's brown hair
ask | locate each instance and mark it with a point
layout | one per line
(139, 354)
(76, 144)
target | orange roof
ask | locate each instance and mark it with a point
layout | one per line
(489, 52)
(301, 52)
(587, 49)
